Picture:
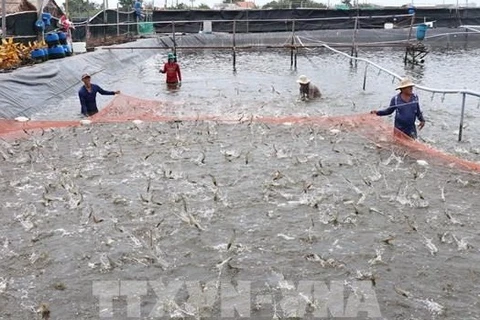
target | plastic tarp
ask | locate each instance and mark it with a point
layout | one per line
(31, 89)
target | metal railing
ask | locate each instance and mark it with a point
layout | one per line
(296, 44)
(463, 92)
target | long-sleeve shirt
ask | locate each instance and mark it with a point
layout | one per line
(172, 69)
(312, 91)
(88, 99)
(406, 114)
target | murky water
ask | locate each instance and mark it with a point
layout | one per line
(264, 84)
(280, 208)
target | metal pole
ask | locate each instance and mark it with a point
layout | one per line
(105, 20)
(138, 24)
(118, 20)
(354, 39)
(409, 47)
(4, 19)
(234, 44)
(295, 58)
(365, 77)
(293, 43)
(461, 118)
(411, 27)
(87, 28)
(174, 42)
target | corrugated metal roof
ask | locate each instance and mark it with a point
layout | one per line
(14, 6)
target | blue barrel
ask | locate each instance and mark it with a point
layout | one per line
(38, 55)
(62, 37)
(39, 25)
(68, 49)
(56, 52)
(421, 31)
(51, 39)
(46, 17)
(45, 50)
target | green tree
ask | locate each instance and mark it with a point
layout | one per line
(126, 5)
(348, 3)
(203, 6)
(81, 8)
(148, 5)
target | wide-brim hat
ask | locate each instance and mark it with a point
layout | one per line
(171, 56)
(86, 75)
(405, 83)
(303, 80)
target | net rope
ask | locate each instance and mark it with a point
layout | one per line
(124, 108)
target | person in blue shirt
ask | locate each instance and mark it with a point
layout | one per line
(407, 110)
(88, 95)
(137, 6)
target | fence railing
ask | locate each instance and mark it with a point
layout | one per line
(462, 92)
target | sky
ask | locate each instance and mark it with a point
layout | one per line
(159, 3)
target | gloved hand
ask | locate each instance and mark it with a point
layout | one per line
(179, 83)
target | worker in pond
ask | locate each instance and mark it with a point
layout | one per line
(407, 110)
(308, 90)
(172, 69)
(88, 95)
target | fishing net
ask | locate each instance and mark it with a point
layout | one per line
(125, 108)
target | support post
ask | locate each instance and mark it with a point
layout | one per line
(66, 9)
(460, 129)
(174, 41)
(118, 20)
(137, 21)
(354, 45)
(128, 24)
(233, 47)
(412, 21)
(104, 21)
(365, 77)
(4, 19)
(87, 28)
(466, 37)
(293, 44)
(295, 58)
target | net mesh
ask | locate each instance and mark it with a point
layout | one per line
(125, 108)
